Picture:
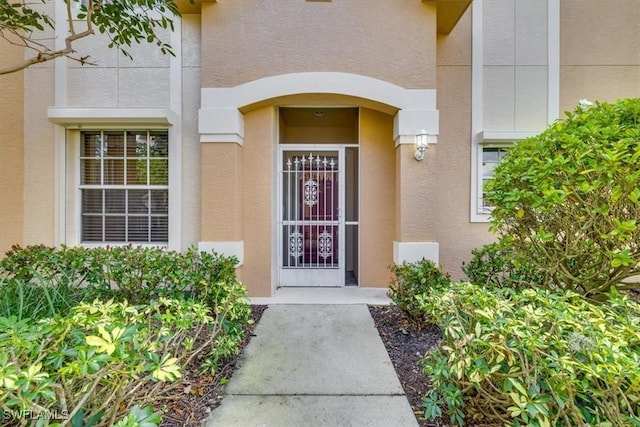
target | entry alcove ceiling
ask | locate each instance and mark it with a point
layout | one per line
(319, 116)
(318, 124)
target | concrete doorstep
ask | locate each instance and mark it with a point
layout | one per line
(314, 365)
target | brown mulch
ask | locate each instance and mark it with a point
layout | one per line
(406, 344)
(199, 393)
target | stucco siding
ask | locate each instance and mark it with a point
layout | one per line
(387, 39)
(455, 233)
(11, 152)
(600, 51)
(515, 57)
(39, 155)
(377, 197)
(257, 197)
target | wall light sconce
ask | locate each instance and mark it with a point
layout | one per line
(422, 141)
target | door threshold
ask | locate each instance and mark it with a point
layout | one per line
(317, 295)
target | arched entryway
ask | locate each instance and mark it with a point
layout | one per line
(250, 133)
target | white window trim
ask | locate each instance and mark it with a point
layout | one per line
(146, 187)
(480, 137)
(482, 210)
(68, 159)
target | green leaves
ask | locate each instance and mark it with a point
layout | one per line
(569, 198)
(532, 357)
(140, 417)
(107, 341)
(165, 369)
(128, 22)
(97, 358)
(18, 16)
(410, 281)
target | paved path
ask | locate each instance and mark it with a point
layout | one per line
(317, 366)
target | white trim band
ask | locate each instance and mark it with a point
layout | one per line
(220, 118)
(225, 248)
(117, 116)
(415, 251)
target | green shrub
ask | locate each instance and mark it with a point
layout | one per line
(533, 357)
(38, 282)
(495, 265)
(102, 359)
(568, 200)
(411, 279)
(141, 274)
(93, 362)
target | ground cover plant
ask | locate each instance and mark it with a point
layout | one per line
(410, 279)
(568, 200)
(533, 357)
(137, 318)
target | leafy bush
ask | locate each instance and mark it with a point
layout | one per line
(533, 357)
(568, 200)
(411, 279)
(495, 265)
(38, 282)
(97, 363)
(91, 362)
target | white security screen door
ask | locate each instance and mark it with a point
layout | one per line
(311, 227)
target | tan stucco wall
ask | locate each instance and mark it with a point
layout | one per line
(415, 204)
(377, 197)
(39, 155)
(386, 39)
(11, 151)
(221, 183)
(455, 233)
(257, 196)
(600, 51)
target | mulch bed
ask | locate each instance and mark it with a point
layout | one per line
(198, 394)
(406, 345)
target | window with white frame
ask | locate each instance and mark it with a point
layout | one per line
(491, 156)
(124, 186)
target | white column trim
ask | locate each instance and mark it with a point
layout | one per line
(553, 61)
(225, 248)
(415, 251)
(477, 99)
(175, 140)
(60, 64)
(407, 124)
(60, 99)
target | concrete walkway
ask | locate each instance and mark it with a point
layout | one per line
(317, 366)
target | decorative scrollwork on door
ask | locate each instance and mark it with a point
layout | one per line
(325, 244)
(310, 192)
(296, 242)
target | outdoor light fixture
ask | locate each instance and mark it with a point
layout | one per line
(422, 140)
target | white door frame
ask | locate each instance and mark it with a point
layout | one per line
(309, 276)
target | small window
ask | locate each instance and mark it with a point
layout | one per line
(491, 156)
(124, 186)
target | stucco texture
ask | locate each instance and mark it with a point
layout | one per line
(377, 197)
(387, 39)
(257, 196)
(600, 51)
(453, 230)
(11, 151)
